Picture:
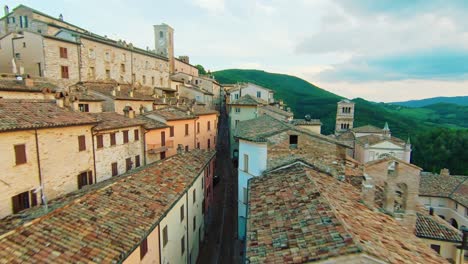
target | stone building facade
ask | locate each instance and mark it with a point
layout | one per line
(68, 54)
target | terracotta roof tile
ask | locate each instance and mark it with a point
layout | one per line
(311, 217)
(106, 223)
(149, 123)
(249, 100)
(112, 120)
(30, 114)
(105, 88)
(454, 187)
(276, 110)
(303, 122)
(427, 227)
(374, 139)
(367, 129)
(172, 113)
(38, 86)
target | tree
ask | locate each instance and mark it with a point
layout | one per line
(201, 69)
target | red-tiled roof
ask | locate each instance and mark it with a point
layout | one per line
(453, 187)
(112, 120)
(30, 114)
(122, 91)
(170, 113)
(427, 227)
(312, 216)
(105, 224)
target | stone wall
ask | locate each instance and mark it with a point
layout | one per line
(53, 61)
(118, 153)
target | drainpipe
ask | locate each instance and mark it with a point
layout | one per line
(94, 153)
(188, 243)
(43, 196)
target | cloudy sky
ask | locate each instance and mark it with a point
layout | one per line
(386, 50)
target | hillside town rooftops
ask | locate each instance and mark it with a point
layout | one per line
(367, 129)
(451, 186)
(277, 110)
(16, 114)
(249, 100)
(171, 113)
(389, 158)
(314, 217)
(428, 227)
(112, 120)
(115, 90)
(105, 223)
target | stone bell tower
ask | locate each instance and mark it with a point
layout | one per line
(164, 43)
(344, 116)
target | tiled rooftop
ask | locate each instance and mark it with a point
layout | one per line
(312, 216)
(428, 227)
(303, 122)
(15, 85)
(249, 100)
(30, 114)
(112, 120)
(170, 113)
(264, 126)
(454, 187)
(104, 224)
(277, 110)
(367, 129)
(149, 123)
(290, 222)
(105, 88)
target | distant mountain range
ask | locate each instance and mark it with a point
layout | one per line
(425, 125)
(458, 100)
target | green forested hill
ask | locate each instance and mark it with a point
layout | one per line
(304, 98)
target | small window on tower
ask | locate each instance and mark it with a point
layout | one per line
(161, 34)
(293, 141)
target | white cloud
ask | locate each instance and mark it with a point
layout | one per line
(214, 6)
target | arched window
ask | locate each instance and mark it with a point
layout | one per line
(454, 223)
(161, 34)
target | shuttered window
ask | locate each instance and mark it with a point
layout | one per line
(171, 131)
(64, 71)
(81, 143)
(182, 245)
(115, 170)
(125, 136)
(128, 163)
(100, 141)
(209, 125)
(20, 202)
(137, 161)
(209, 143)
(143, 248)
(20, 154)
(85, 178)
(182, 213)
(186, 129)
(63, 53)
(112, 139)
(198, 127)
(136, 134)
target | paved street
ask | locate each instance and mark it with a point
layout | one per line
(220, 245)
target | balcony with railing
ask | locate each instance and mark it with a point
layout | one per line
(158, 148)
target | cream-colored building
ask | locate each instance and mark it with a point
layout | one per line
(151, 215)
(118, 144)
(157, 139)
(67, 54)
(48, 153)
(254, 90)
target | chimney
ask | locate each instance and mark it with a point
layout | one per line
(118, 88)
(368, 191)
(185, 59)
(28, 82)
(180, 149)
(444, 172)
(61, 17)
(288, 109)
(431, 211)
(130, 93)
(129, 112)
(113, 92)
(164, 100)
(60, 102)
(7, 10)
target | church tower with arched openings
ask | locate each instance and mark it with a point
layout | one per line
(344, 116)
